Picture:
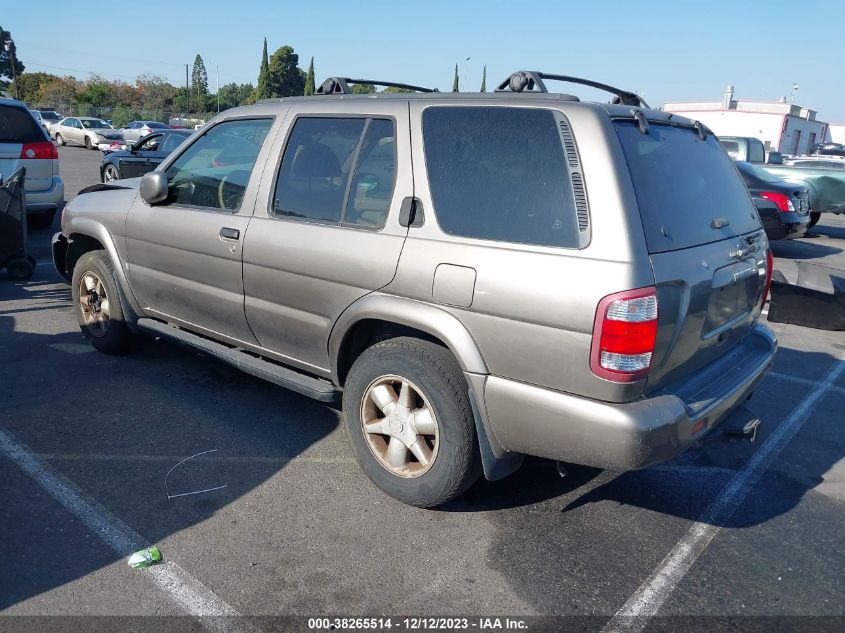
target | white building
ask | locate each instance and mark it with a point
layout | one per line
(782, 126)
(836, 133)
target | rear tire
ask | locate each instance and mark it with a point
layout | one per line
(20, 268)
(96, 303)
(433, 419)
(815, 216)
(59, 140)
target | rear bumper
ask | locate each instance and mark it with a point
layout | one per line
(536, 421)
(47, 200)
(785, 226)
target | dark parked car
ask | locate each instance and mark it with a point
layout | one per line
(142, 157)
(784, 207)
(827, 149)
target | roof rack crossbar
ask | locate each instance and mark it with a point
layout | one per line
(532, 81)
(340, 85)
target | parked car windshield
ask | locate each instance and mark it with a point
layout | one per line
(94, 124)
(682, 184)
(50, 116)
(757, 172)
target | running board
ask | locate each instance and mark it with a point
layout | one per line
(315, 388)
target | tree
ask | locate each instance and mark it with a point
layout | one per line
(286, 78)
(28, 86)
(363, 89)
(309, 80)
(394, 89)
(484, 79)
(233, 94)
(262, 89)
(10, 65)
(97, 92)
(153, 93)
(455, 87)
(199, 83)
(60, 93)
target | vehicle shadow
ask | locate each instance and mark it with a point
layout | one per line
(115, 426)
(801, 249)
(836, 232)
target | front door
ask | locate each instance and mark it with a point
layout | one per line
(326, 228)
(184, 254)
(140, 160)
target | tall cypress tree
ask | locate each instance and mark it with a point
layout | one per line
(199, 83)
(455, 86)
(262, 89)
(309, 79)
(484, 79)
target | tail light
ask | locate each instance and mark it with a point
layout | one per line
(41, 149)
(782, 201)
(624, 333)
(769, 266)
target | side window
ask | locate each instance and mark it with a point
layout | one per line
(755, 152)
(375, 174)
(171, 142)
(150, 145)
(315, 168)
(500, 174)
(214, 171)
(338, 170)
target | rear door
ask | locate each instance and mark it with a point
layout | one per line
(326, 228)
(706, 245)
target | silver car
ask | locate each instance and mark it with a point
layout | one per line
(136, 130)
(89, 132)
(47, 118)
(479, 276)
(24, 142)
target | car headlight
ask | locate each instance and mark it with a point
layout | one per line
(101, 138)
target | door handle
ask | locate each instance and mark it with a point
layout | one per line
(229, 234)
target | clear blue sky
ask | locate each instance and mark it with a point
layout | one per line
(679, 50)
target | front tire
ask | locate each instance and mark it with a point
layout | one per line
(59, 140)
(110, 173)
(815, 216)
(96, 301)
(88, 142)
(408, 416)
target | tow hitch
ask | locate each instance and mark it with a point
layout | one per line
(741, 424)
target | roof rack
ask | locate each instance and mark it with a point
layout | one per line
(340, 86)
(532, 81)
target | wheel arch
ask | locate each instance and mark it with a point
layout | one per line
(379, 316)
(86, 236)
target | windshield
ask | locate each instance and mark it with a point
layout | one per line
(757, 172)
(683, 184)
(155, 125)
(95, 124)
(50, 116)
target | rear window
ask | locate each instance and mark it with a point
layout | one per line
(682, 185)
(157, 126)
(50, 116)
(19, 126)
(499, 174)
(758, 172)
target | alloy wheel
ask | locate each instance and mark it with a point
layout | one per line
(94, 304)
(400, 426)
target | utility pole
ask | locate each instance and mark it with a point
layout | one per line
(218, 89)
(10, 49)
(187, 95)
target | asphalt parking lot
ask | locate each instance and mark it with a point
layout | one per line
(731, 533)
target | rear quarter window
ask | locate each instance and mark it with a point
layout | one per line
(500, 174)
(683, 184)
(19, 126)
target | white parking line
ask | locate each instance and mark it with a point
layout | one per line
(179, 586)
(647, 600)
(803, 381)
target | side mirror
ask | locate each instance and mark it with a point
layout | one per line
(154, 187)
(130, 147)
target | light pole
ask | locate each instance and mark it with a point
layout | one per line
(11, 51)
(794, 92)
(466, 72)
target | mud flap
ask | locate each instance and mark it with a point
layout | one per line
(817, 300)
